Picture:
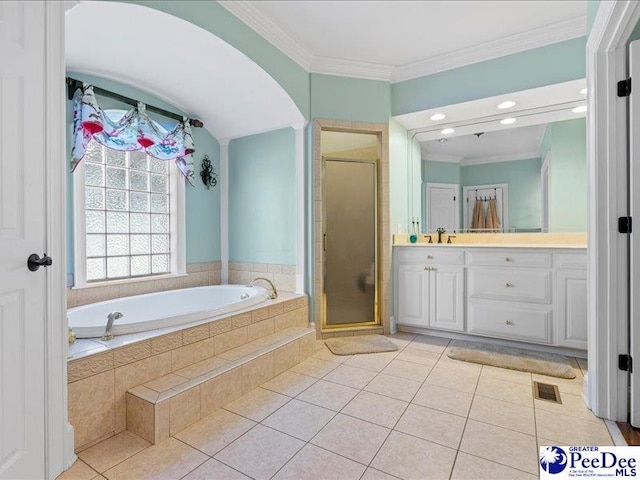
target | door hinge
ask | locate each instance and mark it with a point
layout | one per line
(624, 225)
(624, 88)
(625, 363)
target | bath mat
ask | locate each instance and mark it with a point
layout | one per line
(360, 344)
(542, 363)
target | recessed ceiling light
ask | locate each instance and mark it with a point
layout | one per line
(507, 104)
(580, 109)
(508, 121)
(438, 116)
(583, 91)
(447, 131)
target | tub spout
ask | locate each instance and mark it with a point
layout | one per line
(112, 317)
(274, 293)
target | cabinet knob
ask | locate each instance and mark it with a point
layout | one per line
(426, 269)
(429, 257)
(508, 285)
(508, 322)
(507, 259)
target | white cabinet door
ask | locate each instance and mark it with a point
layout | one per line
(413, 294)
(571, 308)
(446, 295)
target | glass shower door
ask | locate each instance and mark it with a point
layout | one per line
(350, 242)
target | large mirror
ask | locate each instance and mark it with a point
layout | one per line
(514, 163)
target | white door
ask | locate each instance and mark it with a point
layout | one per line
(413, 294)
(446, 298)
(22, 232)
(634, 253)
(442, 206)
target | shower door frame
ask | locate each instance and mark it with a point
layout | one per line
(316, 227)
(376, 306)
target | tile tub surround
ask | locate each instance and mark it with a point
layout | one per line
(114, 367)
(198, 275)
(441, 418)
(282, 276)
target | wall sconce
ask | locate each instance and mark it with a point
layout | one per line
(208, 174)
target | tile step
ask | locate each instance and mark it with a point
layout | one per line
(168, 404)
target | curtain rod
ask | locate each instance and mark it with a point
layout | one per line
(74, 84)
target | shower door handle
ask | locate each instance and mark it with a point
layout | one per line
(324, 242)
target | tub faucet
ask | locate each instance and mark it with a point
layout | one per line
(273, 294)
(112, 317)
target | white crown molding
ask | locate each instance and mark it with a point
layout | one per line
(536, 38)
(351, 68)
(254, 18)
(499, 158)
(269, 30)
(440, 157)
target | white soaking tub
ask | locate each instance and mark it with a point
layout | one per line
(163, 309)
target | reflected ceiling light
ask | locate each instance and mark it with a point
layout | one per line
(508, 121)
(580, 109)
(438, 116)
(447, 131)
(583, 91)
(507, 104)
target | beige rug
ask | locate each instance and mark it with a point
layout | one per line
(541, 363)
(360, 344)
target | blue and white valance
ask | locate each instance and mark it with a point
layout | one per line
(133, 131)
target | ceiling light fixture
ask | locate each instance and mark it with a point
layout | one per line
(583, 91)
(447, 131)
(507, 104)
(580, 109)
(438, 116)
(508, 121)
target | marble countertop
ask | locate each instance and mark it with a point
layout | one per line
(494, 245)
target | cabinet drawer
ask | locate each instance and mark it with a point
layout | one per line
(510, 284)
(430, 256)
(512, 322)
(509, 258)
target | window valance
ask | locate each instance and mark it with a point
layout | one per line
(133, 131)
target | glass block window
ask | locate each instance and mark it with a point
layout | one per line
(127, 214)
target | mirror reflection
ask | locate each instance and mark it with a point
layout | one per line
(519, 171)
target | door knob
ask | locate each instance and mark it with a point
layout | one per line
(34, 262)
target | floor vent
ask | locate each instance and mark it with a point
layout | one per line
(547, 392)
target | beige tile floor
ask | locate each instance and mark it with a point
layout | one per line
(410, 414)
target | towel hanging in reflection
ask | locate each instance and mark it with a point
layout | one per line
(493, 222)
(478, 222)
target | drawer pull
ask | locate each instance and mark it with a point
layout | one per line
(508, 285)
(508, 259)
(508, 322)
(429, 257)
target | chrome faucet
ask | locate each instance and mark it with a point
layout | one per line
(273, 295)
(112, 317)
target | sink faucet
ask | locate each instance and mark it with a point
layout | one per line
(440, 232)
(273, 295)
(112, 317)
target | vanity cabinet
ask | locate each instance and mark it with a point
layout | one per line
(533, 295)
(431, 289)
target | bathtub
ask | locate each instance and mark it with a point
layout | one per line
(163, 309)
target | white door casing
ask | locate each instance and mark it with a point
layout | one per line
(442, 206)
(634, 240)
(544, 193)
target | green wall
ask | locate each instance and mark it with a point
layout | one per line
(202, 205)
(404, 177)
(567, 142)
(350, 98)
(592, 10)
(262, 198)
(559, 62)
(523, 178)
